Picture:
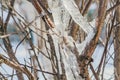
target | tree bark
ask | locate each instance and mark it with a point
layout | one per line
(117, 46)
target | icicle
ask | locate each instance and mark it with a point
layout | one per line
(81, 21)
(76, 16)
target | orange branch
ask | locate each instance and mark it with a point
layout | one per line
(85, 59)
(45, 16)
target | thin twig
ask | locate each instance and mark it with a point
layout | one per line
(112, 8)
(16, 66)
(94, 73)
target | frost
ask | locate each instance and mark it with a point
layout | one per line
(76, 16)
(61, 19)
(60, 16)
(81, 21)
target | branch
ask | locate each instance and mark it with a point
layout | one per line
(7, 35)
(86, 7)
(101, 17)
(6, 40)
(16, 66)
(88, 52)
(94, 73)
(41, 11)
(112, 8)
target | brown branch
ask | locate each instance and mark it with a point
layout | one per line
(44, 5)
(77, 3)
(53, 54)
(101, 17)
(46, 72)
(6, 40)
(105, 50)
(49, 24)
(7, 35)
(94, 73)
(2, 76)
(9, 14)
(52, 47)
(112, 8)
(74, 30)
(82, 6)
(41, 11)
(17, 67)
(88, 52)
(1, 21)
(35, 55)
(34, 66)
(86, 7)
(75, 27)
(63, 75)
(37, 6)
